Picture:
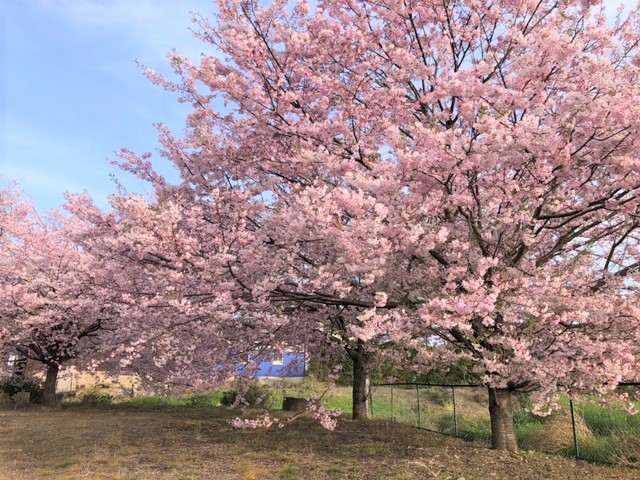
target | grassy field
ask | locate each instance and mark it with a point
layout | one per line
(140, 442)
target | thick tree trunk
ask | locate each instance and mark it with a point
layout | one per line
(503, 432)
(49, 387)
(360, 382)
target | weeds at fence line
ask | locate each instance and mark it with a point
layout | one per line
(585, 431)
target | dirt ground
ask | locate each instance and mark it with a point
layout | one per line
(198, 443)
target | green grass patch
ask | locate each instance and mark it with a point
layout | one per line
(205, 399)
(603, 421)
(289, 473)
(158, 401)
(153, 401)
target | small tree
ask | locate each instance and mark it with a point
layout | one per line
(51, 312)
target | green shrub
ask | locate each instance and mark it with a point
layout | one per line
(204, 400)
(16, 384)
(253, 396)
(97, 399)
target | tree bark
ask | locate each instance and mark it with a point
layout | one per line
(20, 366)
(360, 391)
(49, 387)
(503, 432)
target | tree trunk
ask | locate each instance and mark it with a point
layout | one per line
(503, 432)
(49, 387)
(20, 366)
(360, 390)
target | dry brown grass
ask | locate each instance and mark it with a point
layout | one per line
(198, 443)
(556, 435)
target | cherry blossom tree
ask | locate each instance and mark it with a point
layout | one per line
(165, 266)
(408, 170)
(13, 211)
(50, 311)
(194, 282)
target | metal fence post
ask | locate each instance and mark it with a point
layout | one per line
(573, 425)
(418, 398)
(393, 419)
(455, 417)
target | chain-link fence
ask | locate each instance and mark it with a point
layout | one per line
(586, 431)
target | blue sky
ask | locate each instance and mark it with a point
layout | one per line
(71, 93)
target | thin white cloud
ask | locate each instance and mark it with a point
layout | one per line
(47, 165)
(38, 180)
(21, 159)
(154, 26)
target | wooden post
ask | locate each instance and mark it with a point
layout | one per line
(455, 417)
(418, 398)
(575, 433)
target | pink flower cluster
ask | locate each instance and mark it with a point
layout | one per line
(245, 423)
